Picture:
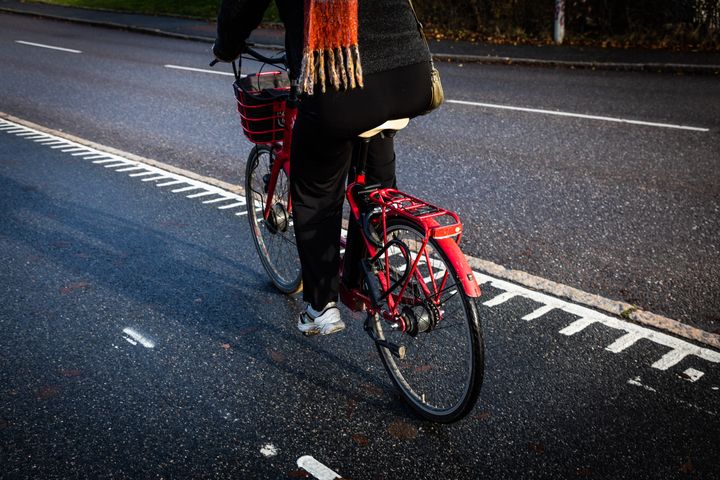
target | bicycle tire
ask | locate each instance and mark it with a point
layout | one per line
(274, 239)
(442, 372)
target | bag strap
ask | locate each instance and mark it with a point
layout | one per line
(421, 30)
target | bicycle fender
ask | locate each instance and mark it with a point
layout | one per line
(458, 261)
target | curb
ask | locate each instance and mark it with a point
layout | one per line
(448, 57)
(616, 308)
(617, 66)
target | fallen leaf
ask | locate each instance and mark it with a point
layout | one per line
(372, 390)
(351, 407)
(298, 474)
(276, 356)
(482, 415)
(74, 286)
(3, 424)
(360, 440)
(583, 472)
(687, 467)
(69, 372)
(538, 448)
(47, 392)
(422, 368)
(402, 430)
(226, 346)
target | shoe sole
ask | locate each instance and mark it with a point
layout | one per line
(323, 330)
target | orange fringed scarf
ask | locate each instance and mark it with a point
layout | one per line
(331, 53)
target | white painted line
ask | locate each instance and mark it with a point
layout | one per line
(268, 450)
(201, 70)
(577, 326)
(215, 200)
(624, 342)
(240, 214)
(539, 312)
(115, 165)
(580, 115)
(636, 381)
(53, 142)
(26, 134)
(154, 179)
(174, 182)
(51, 47)
(60, 145)
(316, 469)
(73, 149)
(502, 298)
(693, 375)
(129, 169)
(83, 154)
(232, 205)
(186, 189)
(138, 337)
(201, 194)
(15, 130)
(97, 155)
(141, 174)
(670, 359)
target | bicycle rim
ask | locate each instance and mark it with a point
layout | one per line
(275, 237)
(441, 373)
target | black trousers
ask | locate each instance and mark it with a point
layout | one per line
(324, 137)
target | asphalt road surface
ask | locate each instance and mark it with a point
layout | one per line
(140, 337)
(628, 211)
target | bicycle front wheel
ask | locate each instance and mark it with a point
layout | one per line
(441, 371)
(274, 237)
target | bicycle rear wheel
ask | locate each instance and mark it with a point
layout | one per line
(274, 237)
(443, 365)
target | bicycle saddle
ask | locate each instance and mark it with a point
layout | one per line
(398, 124)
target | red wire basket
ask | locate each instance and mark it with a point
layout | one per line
(261, 105)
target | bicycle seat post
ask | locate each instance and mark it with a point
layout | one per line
(361, 161)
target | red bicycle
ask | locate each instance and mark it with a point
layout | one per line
(417, 288)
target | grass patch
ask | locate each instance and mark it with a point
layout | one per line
(200, 9)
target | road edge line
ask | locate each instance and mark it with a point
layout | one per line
(617, 308)
(624, 310)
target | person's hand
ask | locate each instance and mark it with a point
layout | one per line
(223, 56)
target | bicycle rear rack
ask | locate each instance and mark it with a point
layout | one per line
(438, 222)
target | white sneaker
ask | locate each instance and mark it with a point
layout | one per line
(324, 322)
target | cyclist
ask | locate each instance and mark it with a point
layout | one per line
(359, 63)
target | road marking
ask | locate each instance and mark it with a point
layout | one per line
(51, 47)
(202, 70)
(138, 337)
(580, 115)
(316, 469)
(269, 450)
(678, 349)
(693, 375)
(232, 205)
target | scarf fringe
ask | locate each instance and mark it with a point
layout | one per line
(339, 68)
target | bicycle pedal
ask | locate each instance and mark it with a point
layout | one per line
(398, 351)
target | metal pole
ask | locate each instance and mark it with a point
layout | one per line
(559, 33)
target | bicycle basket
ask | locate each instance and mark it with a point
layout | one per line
(261, 105)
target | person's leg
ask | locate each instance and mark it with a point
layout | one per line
(380, 169)
(318, 170)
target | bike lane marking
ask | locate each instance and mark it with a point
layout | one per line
(49, 47)
(680, 349)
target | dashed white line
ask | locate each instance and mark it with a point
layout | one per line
(201, 70)
(51, 47)
(139, 338)
(174, 182)
(316, 469)
(624, 342)
(232, 205)
(580, 115)
(693, 375)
